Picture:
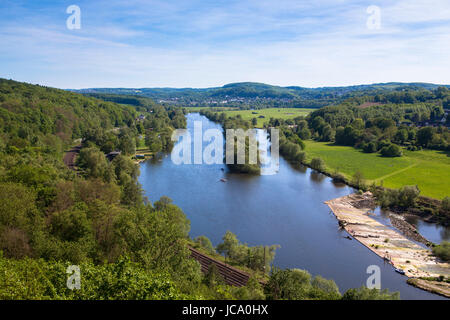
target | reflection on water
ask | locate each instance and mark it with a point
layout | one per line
(431, 231)
(286, 208)
(317, 176)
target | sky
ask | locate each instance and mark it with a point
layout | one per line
(193, 43)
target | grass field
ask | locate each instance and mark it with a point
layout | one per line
(279, 113)
(428, 169)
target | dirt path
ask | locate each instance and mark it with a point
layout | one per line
(396, 172)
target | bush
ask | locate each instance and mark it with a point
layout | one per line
(365, 293)
(205, 243)
(442, 251)
(358, 180)
(317, 164)
(296, 284)
(392, 150)
(38, 279)
(407, 196)
(371, 147)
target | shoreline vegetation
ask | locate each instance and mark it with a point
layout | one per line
(296, 151)
(353, 213)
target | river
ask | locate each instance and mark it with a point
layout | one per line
(285, 208)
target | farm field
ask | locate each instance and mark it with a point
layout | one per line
(279, 113)
(428, 169)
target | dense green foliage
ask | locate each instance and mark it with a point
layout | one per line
(94, 218)
(442, 251)
(295, 284)
(404, 197)
(364, 293)
(39, 279)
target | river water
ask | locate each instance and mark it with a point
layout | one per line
(285, 208)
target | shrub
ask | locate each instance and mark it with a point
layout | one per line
(392, 150)
(318, 164)
(365, 293)
(358, 180)
(371, 147)
(407, 196)
(442, 251)
(205, 243)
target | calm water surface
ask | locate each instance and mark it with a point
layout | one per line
(285, 209)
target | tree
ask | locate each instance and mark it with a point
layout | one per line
(401, 136)
(365, 293)
(127, 144)
(304, 134)
(213, 277)
(370, 147)
(358, 180)
(256, 258)
(205, 243)
(407, 196)
(442, 251)
(317, 164)
(296, 284)
(392, 150)
(153, 141)
(328, 133)
(229, 246)
(288, 284)
(95, 164)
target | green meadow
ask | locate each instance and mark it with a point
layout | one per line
(279, 113)
(428, 169)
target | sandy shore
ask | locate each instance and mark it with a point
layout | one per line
(354, 215)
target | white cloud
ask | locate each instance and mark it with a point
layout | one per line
(309, 43)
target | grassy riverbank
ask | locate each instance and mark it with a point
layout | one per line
(428, 169)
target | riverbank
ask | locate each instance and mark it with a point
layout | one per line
(354, 215)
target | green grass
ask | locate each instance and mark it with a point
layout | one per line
(428, 169)
(278, 113)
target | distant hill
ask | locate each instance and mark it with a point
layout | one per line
(260, 94)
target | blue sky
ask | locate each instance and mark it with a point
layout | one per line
(187, 43)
